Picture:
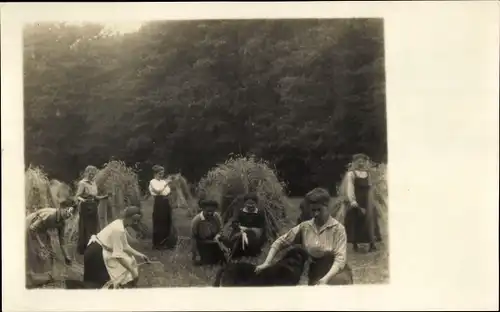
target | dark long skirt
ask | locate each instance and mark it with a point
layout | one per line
(362, 228)
(209, 252)
(164, 234)
(95, 274)
(319, 267)
(88, 224)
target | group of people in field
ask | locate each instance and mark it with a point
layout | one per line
(109, 258)
(323, 237)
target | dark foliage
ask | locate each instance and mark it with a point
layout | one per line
(303, 94)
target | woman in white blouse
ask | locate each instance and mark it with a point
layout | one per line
(88, 200)
(110, 258)
(324, 239)
(162, 211)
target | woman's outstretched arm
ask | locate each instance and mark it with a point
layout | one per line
(282, 242)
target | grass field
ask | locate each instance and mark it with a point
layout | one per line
(176, 269)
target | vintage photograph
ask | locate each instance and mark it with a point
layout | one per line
(205, 153)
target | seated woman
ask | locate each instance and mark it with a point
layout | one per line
(323, 238)
(40, 254)
(204, 228)
(246, 230)
(109, 257)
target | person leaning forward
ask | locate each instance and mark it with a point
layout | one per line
(324, 239)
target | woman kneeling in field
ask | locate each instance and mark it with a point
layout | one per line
(246, 229)
(40, 255)
(204, 229)
(323, 238)
(109, 257)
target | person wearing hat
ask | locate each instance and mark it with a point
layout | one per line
(204, 229)
(361, 218)
(323, 238)
(162, 210)
(109, 257)
(40, 255)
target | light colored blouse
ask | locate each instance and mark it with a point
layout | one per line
(85, 188)
(156, 186)
(329, 239)
(113, 239)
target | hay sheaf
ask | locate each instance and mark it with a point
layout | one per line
(227, 184)
(181, 197)
(37, 190)
(121, 183)
(378, 194)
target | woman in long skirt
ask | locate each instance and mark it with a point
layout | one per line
(204, 229)
(40, 255)
(88, 199)
(164, 236)
(109, 258)
(361, 219)
(323, 238)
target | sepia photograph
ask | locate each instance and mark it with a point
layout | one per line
(212, 153)
(235, 156)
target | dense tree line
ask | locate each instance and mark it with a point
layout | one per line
(303, 94)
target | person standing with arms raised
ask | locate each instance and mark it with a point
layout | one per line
(162, 210)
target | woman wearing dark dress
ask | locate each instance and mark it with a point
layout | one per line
(324, 240)
(88, 200)
(361, 219)
(163, 230)
(244, 234)
(204, 229)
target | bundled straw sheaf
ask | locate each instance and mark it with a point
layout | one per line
(378, 194)
(37, 190)
(121, 183)
(42, 193)
(229, 182)
(181, 197)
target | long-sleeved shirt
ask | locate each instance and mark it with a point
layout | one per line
(86, 188)
(156, 186)
(215, 225)
(329, 239)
